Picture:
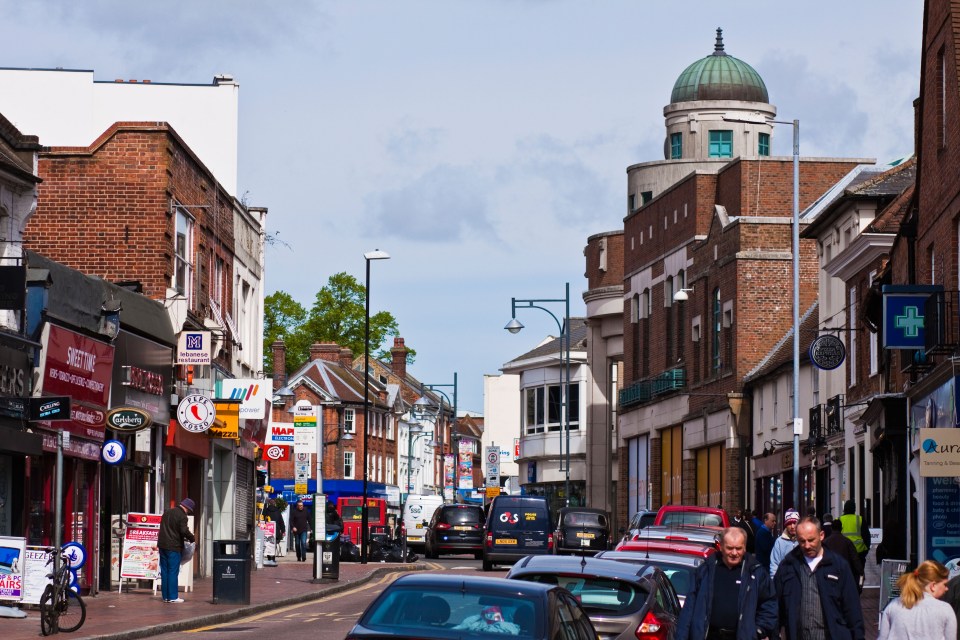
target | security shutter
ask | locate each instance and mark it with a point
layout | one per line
(243, 516)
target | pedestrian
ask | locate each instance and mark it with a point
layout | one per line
(272, 513)
(786, 541)
(952, 597)
(764, 542)
(856, 529)
(334, 523)
(818, 597)
(732, 597)
(742, 521)
(300, 528)
(919, 614)
(173, 531)
(841, 545)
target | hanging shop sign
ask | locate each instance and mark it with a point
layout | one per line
(113, 452)
(128, 419)
(49, 408)
(252, 394)
(227, 424)
(277, 453)
(905, 315)
(196, 413)
(827, 352)
(193, 347)
(279, 433)
(940, 453)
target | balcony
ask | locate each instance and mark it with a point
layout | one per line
(940, 326)
(646, 390)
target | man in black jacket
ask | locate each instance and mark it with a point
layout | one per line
(818, 597)
(173, 531)
(300, 528)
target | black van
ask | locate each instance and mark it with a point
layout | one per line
(517, 526)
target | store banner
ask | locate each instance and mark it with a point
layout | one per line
(940, 452)
(449, 475)
(465, 465)
(252, 395)
(12, 552)
(227, 424)
(279, 433)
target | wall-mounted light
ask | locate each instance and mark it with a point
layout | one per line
(681, 295)
(110, 318)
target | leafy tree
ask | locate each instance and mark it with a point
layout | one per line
(337, 315)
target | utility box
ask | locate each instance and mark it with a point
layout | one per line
(231, 571)
(330, 557)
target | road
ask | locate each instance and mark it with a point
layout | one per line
(326, 619)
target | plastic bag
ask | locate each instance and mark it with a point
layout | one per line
(188, 549)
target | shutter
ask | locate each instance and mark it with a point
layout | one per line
(243, 514)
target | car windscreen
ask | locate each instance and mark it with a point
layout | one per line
(596, 593)
(418, 612)
(460, 515)
(692, 517)
(522, 518)
(585, 519)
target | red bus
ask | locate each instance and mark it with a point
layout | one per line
(349, 509)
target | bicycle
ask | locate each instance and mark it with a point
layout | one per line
(61, 608)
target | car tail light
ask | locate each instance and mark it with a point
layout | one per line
(489, 539)
(549, 541)
(403, 529)
(442, 525)
(651, 628)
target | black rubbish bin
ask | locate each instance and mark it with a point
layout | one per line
(231, 571)
(330, 557)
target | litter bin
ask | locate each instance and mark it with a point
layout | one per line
(231, 571)
(330, 557)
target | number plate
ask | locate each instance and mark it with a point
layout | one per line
(507, 541)
(462, 528)
(419, 525)
(589, 536)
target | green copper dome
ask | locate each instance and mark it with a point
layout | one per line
(719, 77)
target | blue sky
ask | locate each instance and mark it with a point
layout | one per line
(478, 142)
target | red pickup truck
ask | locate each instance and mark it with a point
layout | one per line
(670, 514)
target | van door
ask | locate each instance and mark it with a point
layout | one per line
(520, 527)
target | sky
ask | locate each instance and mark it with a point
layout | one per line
(479, 143)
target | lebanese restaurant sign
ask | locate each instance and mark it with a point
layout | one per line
(80, 367)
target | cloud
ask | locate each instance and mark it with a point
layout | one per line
(411, 144)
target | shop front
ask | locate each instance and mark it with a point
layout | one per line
(773, 481)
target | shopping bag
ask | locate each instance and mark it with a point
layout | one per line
(188, 549)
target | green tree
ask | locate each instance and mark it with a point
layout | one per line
(337, 315)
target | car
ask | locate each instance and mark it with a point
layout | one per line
(455, 528)
(516, 526)
(639, 520)
(417, 511)
(681, 533)
(679, 567)
(668, 546)
(624, 601)
(670, 514)
(581, 530)
(440, 606)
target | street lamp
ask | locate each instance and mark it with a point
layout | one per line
(376, 254)
(453, 425)
(797, 422)
(514, 326)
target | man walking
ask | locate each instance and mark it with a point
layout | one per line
(173, 531)
(732, 597)
(300, 527)
(741, 519)
(786, 542)
(764, 542)
(818, 596)
(856, 530)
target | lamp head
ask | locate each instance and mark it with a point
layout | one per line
(376, 254)
(346, 436)
(514, 326)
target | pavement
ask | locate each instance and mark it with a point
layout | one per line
(138, 613)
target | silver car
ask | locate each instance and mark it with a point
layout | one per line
(679, 567)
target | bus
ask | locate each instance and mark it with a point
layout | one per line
(349, 509)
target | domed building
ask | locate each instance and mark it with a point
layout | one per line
(719, 109)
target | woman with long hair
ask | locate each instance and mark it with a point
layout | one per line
(918, 614)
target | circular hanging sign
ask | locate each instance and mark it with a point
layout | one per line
(196, 413)
(127, 419)
(76, 554)
(827, 352)
(113, 452)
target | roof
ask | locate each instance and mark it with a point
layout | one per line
(782, 352)
(336, 381)
(468, 426)
(719, 76)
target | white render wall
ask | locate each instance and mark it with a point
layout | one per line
(501, 418)
(68, 108)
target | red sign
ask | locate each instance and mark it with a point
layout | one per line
(277, 452)
(79, 367)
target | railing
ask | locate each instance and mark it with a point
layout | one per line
(940, 323)
(646, 390)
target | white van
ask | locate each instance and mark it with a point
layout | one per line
(417, 511)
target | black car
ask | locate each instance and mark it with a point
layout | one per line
(639, 520)
(441, 606)
(581, 530)
(455, 528)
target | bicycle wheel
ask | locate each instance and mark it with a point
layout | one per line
(73, 611)
(49, 614)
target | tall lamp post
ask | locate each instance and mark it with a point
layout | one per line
(453, 424)
(514, 326)
(797, 422)
(376, 254)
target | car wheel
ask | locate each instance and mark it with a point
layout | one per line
(478, 555)
(428, 550)
(487, 565)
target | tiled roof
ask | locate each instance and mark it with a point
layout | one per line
(336, 380)
(578, 340)
(782, 352)
(892, 182)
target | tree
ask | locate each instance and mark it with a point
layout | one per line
(337, 315)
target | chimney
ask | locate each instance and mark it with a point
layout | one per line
(329, 351)
(346, 357)
(399, 353)
(279, 364)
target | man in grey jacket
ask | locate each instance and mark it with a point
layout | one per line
(173, 531)
(786, 542)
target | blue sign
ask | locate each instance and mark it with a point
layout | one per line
(942, 530)
(904, 311)
(113, 452)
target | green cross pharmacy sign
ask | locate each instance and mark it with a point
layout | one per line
(904, 315)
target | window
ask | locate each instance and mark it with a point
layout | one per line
(676, 146)
(349, 420)
(721, 144)
(632, 202)
(216, 287)
(763, 144)
(183, 254)
(646, 196)
(544, 408)
(348, 465)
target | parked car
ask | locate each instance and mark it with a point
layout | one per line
(455, 528)
(668, 546)
(581, 530)
(624, 601)
(417, 511)
(671, 514)
(440, 606)
(517, 526)
(679, 567)
(639, 520)
(681, 533)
